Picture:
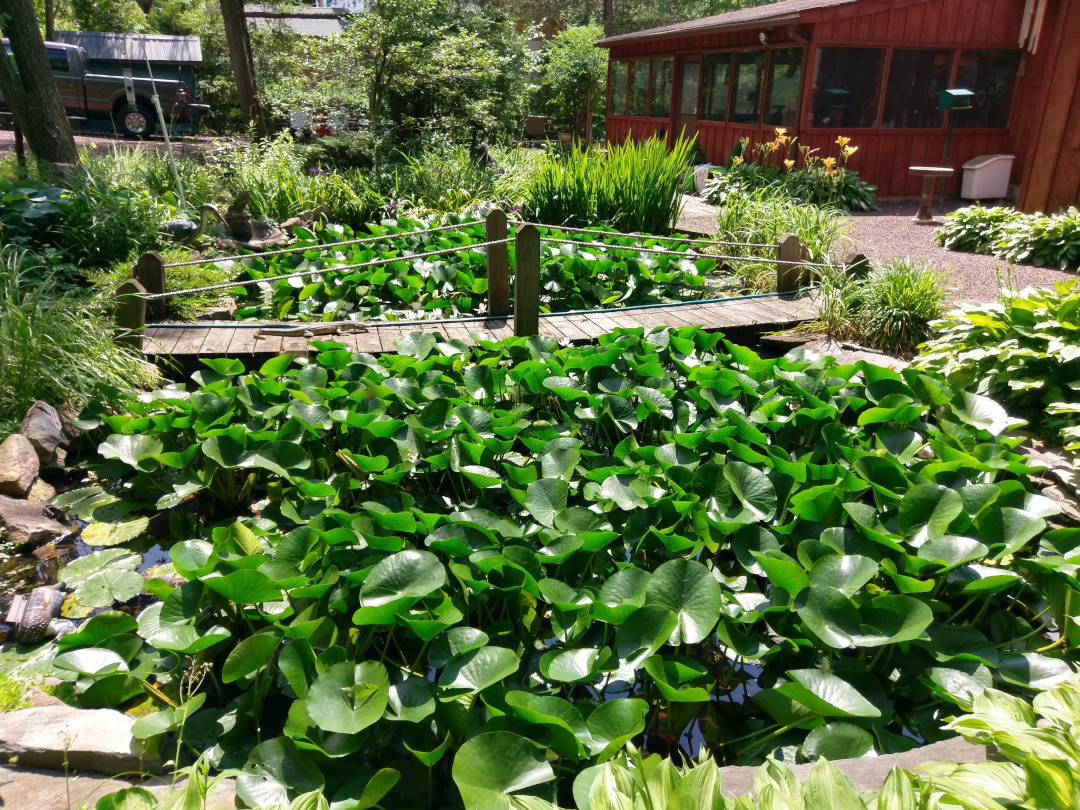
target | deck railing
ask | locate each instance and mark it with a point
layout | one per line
(145, 290)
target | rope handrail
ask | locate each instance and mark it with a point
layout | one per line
(615, 234)
(326, 246)
(684, 254)
(229, 285)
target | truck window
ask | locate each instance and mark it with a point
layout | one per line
(58, 59)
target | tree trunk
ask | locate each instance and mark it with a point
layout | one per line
(609, 16)
(31, 92)
(243, 65)
(50, 20)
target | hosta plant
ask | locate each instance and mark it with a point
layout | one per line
(503, 563)
(1039, 239)
(1023, 350)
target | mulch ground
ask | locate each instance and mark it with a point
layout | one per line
(890, 233)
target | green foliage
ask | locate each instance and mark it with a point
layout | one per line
(891, 308)
(505, 562)
(819, 181)
(633, 186)
(1024, 350)
(762, 218)
(57, 345)
(14, 694)
(575, 75)
(443, 179)
(1037, 239)
(592, 271)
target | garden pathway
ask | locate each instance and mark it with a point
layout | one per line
(890, 233)
(732, 315)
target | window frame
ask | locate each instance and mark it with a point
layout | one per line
(769, 78)
(730, 53)
(626, 86)
(671, 87)
(886, 54)
(889, 48)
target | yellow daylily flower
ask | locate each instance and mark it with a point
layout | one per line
(843, 141)
(850, 150)
(736, 161)
(789, 164)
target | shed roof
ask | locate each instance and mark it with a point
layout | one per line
(784, 13)
(307, 22)
(111, 47)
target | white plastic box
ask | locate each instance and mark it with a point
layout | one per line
(987, 177)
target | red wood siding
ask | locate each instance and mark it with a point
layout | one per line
(884, 155)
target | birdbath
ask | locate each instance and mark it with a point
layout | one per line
(929, 175)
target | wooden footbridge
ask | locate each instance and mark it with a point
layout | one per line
(742, 315)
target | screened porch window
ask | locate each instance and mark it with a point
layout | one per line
(847, 87)
(715, 80)
(746, 86)
(639, 87)
(991, 76)
(660, 100)
(618, 88)
(915, 79)
(782, 94)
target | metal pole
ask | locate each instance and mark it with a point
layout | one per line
(945, 158)
(161, 120)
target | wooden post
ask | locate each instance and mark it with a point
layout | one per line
(131, 313)
(150, 272)
(498, 265)
(788, 255)
(856, 265)
(527, 281)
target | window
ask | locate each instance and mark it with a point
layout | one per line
(691, 75)
(58, 59)
(660, 100)
(715, 76)
(639, 87)
(915, 79)
(782, 94)
(618, 88)
(847, 87)
(991, 76)
(746, 86)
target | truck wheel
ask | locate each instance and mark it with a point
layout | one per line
(137, 123)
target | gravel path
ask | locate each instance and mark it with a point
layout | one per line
(890, 233)
(102, 143)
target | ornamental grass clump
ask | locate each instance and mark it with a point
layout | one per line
(633, 186)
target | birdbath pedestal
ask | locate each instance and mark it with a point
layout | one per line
(929, 175)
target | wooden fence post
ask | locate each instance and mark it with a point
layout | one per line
(527, 281)
(498, 264)
(131, 313)
(150, 272)
(788, 258)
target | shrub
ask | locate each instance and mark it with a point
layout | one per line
(892, 308)
(356, 150)
(1023, 349)
(820, 181)
(57, 346)
(633, 186)
(1020, 238)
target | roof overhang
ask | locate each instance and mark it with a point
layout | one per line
(714, 28)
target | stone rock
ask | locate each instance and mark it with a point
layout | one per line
(39, 698)
(27, 523)
(867, 773)
(1070, 505)
(22, 789)
(71, 433)
(41, 492)
(42, 427)
(97, 740)
(18, 465)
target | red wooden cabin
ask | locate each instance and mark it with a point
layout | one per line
(866, 69)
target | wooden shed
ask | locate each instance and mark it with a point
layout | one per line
(865, 69)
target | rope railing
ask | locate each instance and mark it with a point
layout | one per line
(229, 285)
(329, 245)
(645, 237)
(683, 254)
(147, 286)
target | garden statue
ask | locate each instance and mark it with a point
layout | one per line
(34, 618)
(186, 230)
(251, 233)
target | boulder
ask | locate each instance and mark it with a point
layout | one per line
(18, 465)
(41, 492)
(23, 789)
(27, 523)
(42, 427)
(97, 740)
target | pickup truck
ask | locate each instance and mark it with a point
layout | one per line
(101, 96)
